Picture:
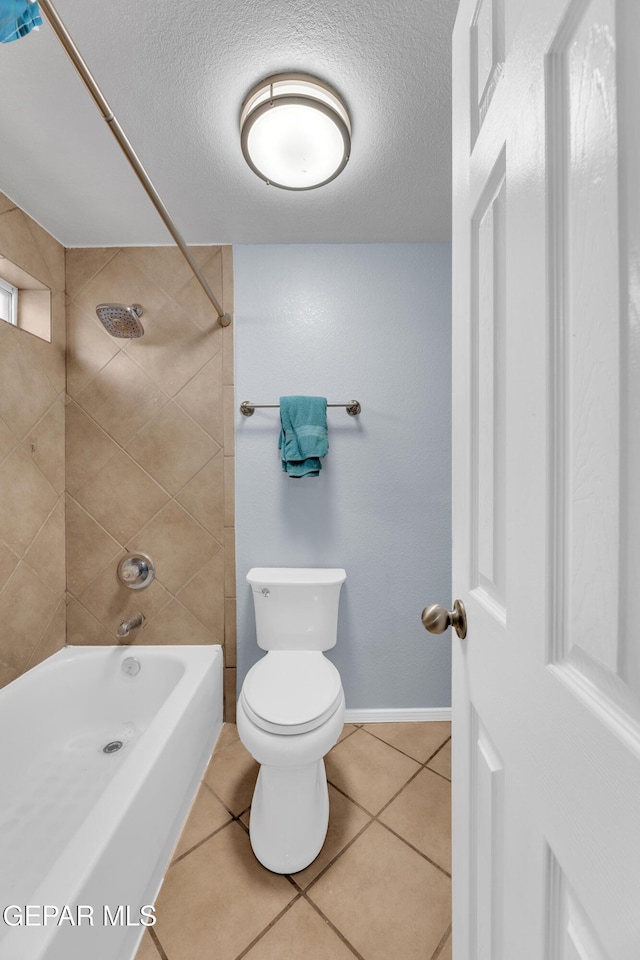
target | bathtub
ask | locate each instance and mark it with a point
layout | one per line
(86, 835)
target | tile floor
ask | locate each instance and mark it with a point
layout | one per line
(379, 889)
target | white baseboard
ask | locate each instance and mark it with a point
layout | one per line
(402, 715)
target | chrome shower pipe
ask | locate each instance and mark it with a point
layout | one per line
(102, 103)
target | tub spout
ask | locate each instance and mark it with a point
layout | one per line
(126, 626)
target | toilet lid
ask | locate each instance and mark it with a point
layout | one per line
(291, 690)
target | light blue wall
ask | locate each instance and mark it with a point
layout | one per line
(369, 322)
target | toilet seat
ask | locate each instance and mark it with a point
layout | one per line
(291, 691)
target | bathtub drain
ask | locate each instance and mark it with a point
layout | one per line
(113, 746)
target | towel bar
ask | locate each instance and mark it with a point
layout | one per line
(247, 407)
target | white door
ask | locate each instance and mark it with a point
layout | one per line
(546, 490)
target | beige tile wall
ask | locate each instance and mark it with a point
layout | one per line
(149, 434)
(32, 466)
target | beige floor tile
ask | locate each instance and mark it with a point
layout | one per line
(217, 899)
(228, 735)
(301, 932)
(232, 775)
(345, 821)
(419, 740)
(207, 814)
(445, 953)
(230, 693)
(367, 770)
(442, 761)
(422, 815)
(147, 949)
(387, 900)
(347, 730)
(7, 674)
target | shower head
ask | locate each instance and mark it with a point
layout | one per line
(120, 320)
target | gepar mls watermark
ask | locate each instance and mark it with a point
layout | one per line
(77, 915)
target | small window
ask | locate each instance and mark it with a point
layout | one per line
(24, 301)
(8, 302)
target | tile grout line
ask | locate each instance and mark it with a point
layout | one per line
(171, 400)
(375, 816)
(415, 850)
(431, 770)
(403, 752)
(158, 945)
(398, 792)
(328, 865)
(200, 843)
(232, 815)
(303, 893)
(93, 275)
(437, 774)
(121, 547)
(121, 352)
(266, 929)
(123, 448)
(49, 622)
(345, 794)
(68, 402)
(442, 944)
(214, 246)
(436, 752)
(102, 528)
(60, 395)
(335, 929)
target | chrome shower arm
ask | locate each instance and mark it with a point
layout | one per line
(89, 81)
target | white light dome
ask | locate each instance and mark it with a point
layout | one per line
(295, 132)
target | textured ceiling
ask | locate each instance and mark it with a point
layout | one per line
(176, 73)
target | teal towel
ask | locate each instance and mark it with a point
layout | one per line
(17, 18)
(304, 437)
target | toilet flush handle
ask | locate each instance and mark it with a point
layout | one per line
(265, 592)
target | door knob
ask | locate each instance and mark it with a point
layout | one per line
(436, 619)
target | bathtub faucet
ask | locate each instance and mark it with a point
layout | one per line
(132, 623)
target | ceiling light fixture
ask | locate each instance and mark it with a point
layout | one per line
(295, 131)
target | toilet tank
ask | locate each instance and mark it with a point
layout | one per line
(296, 607)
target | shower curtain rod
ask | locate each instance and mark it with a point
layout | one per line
(89, 81)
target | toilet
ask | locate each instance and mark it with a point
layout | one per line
(291, 711)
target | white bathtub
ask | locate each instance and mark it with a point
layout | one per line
(89, 830)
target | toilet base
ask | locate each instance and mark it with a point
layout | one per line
(289, 816)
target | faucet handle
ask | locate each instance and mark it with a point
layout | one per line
(136, 571)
